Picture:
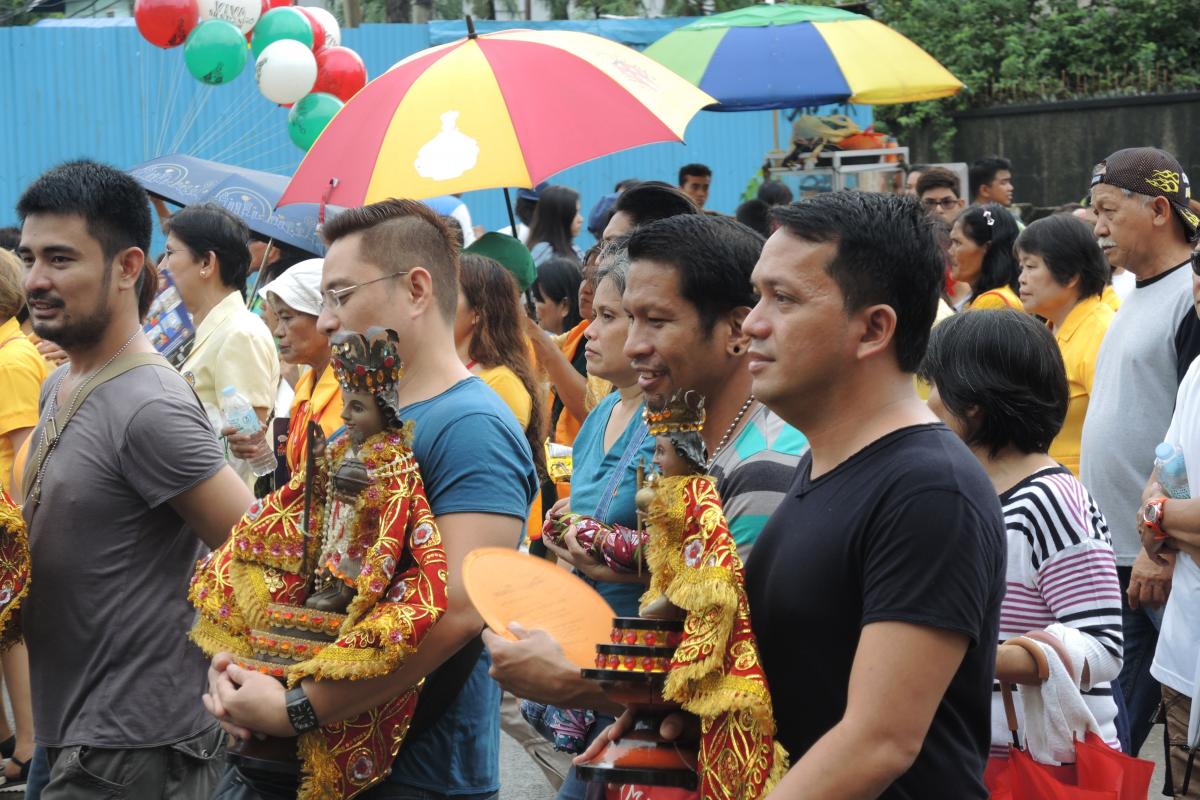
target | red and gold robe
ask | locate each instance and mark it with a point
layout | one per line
(14, 570)
(256, 583)
(716, 672)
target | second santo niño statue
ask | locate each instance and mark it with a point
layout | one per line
(338, 575)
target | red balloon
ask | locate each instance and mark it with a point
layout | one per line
(279, 3)
(317, 28)
(340, 72)
(166, 23)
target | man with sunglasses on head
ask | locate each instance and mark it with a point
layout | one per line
(937, 189)
(1144, 225)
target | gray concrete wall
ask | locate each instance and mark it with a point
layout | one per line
(1053, 147)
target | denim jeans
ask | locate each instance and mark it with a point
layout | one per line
(254, 779)
(1142, 693)
(39, 774)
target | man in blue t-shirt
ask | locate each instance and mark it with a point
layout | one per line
(393, 264)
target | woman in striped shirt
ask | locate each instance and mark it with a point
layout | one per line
(1000, 384)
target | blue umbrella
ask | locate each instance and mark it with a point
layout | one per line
(249, 194)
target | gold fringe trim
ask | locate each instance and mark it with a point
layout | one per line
(780, 764)
(251, 592)
(345, 663)
(212, 639)
(320, 771)
(731, 694)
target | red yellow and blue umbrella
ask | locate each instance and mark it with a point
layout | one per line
(498, 110)
(785, 56)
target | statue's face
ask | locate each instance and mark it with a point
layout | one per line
(668, 461)
(362, 416)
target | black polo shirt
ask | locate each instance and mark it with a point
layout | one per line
(908, 529)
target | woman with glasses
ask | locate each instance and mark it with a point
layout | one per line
(999, 384)
(208, 259)
(981, 249)
(1062, 279)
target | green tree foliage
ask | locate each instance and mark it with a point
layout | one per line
(1029, 51)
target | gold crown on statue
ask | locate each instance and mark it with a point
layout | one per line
(366, 362)
(683, 413)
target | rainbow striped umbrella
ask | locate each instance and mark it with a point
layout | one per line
(498, 110)
(784, 56)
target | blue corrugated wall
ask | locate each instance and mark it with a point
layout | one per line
(99, 90)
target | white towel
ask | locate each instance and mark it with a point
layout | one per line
(1055, 714)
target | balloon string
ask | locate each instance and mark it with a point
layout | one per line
(158, 94)
(249, 140)
(167, 110)
(230, 119)
(248, 148)
(191, 118)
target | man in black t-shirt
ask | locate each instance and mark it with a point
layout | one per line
(875, 588)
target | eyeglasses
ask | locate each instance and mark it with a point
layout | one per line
(168, 252)
(334, 298)
(945, 202)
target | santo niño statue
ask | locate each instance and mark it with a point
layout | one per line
(337, 575)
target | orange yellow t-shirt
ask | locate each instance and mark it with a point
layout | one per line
(22, 371)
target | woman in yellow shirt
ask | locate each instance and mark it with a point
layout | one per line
(490, 341)
(22, 371)
(208, 259)
(981, 252)
(1063, 275)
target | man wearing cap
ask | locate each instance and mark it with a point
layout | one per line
(1144, 225)
(294, 299)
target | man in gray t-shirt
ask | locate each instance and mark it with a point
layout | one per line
(118, 506)
(1144, 224)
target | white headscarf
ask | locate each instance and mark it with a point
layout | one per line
(299, 286)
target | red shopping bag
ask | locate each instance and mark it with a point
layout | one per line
(1099, 772)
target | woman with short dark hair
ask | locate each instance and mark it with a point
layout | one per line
(999, 383)
(981, 253)
(555, 294)
(555, 224)
(1062, 279)
(208, 258)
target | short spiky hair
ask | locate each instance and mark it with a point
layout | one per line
(714, 257)
(886, 254)
(114, 206)
(401, 234)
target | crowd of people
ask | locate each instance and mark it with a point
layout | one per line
(932, 428)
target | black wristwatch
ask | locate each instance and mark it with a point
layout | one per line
(300, 711)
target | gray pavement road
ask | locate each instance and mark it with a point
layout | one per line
(520, 779)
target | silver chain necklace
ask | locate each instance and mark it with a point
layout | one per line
(49, 440)
(729, 431)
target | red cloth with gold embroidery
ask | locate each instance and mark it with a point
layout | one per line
(14, 569)
(401, 592)
(716, 672)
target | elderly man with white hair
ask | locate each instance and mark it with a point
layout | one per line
(294, 299)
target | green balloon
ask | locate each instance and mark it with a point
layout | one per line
(309, 117)
(215, 52)
(281, 23)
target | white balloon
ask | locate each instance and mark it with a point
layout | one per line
(286, 71)
(243, 13)
(333, 31)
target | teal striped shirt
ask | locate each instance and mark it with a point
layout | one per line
(753, 474)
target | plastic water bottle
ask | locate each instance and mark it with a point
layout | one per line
(238, 413)
(1171, 471)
